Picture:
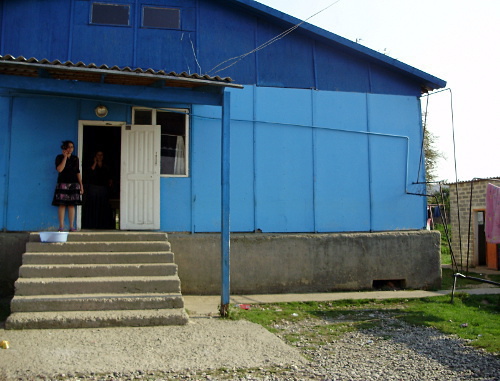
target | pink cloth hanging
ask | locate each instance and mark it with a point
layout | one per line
(492, 214)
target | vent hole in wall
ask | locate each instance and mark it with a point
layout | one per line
(389, 284)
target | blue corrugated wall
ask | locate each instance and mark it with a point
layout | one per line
(305, 161)
(339, 162)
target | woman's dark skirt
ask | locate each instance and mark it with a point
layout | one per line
(67, 194)
(97, 212)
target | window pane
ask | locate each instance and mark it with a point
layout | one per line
(143, 117)
(111, 14)
(161, 18)
(173, 142)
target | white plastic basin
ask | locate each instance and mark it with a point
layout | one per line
(53, 236)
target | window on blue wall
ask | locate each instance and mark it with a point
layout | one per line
(110, 14)
(166, 18)
(174, 124)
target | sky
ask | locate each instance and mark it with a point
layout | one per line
(454, 40)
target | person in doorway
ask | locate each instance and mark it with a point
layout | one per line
(97, 212)
(69, 188)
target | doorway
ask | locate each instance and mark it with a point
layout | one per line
(481, 239)
(100, 161)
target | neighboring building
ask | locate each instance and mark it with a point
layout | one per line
(468, 239)
(325, 137)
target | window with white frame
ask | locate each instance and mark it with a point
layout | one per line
(174, 137)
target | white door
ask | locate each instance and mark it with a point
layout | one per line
(140, 177)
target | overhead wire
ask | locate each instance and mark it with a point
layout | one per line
(237, 59)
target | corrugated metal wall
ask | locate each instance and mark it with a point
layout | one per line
(336, 163)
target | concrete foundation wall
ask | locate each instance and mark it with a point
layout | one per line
(12, 247)
(287, 263)
(284, 263)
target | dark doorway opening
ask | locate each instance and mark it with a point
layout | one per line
(481, 240)
(101, 179)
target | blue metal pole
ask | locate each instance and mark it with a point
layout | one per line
(225, 201)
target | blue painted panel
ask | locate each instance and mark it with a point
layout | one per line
(284, 161)
(206, 112)
(342, 189)
(284, 179)
(242, 103)
(385, 81)
(340, 71)
(224, 34)
(4, 154)
(155, 47)
(205, 172)
(36, 140)
(277, 105)
(38, 38)
(175, 207)
(392, 209)
(340, 110)
(397, 115)
(101, 44)
(401, 115)
(287, 62)
(242, 176)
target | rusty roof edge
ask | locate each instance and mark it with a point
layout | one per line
(68, 66)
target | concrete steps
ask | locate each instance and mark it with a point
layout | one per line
(97, 270)
(97, 319)
(98, 280)
(98, 302)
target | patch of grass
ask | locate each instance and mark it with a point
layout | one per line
(472, 317)
(445, 249)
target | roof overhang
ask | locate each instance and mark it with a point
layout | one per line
(101, 82)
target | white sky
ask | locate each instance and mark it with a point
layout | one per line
(455, 40)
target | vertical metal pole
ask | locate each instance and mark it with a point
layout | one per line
(454, 287)
(225, 201)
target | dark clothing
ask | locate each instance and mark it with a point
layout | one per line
(67, 190)
(72, 168)
(99, 176)
(97, 212)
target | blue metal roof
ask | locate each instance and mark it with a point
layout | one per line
(429, 82)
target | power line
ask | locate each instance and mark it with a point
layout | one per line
(267, 43)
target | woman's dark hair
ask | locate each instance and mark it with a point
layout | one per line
(65, 144)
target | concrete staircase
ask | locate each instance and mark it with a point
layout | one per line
(98, 279)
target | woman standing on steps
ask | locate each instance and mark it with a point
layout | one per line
(69, 188)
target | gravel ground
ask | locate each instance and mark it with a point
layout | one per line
(238, 350)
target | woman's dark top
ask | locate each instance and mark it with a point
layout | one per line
(72, 168)
(100, 176)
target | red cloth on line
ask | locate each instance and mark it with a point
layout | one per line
(492, 214)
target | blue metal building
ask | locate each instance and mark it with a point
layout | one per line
(326, 134)
(316, 133)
